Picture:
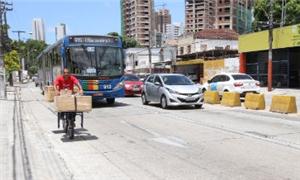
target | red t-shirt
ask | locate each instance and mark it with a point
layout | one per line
(66, 84)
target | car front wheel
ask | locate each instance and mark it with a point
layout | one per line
(164, 102)
(144, 99)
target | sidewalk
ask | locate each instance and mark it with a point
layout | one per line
(6, 136)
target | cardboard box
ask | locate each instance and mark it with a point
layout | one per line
(49, 88)
(64, 103)
(84, 103)
(73, 103)
(49, 93)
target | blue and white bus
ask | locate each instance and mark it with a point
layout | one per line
(97, 61)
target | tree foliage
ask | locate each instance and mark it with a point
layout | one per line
(262, 9)
(12, 61)
(127, 42)
(29, 50)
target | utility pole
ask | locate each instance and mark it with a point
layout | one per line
(150, 55)
(1, 54)
(19, 32)
(4, 7)
(270, 54)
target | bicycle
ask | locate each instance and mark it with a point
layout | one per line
(68, 122)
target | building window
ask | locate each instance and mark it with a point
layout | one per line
(189, 49)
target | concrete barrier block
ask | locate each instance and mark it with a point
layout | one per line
(255, 101)
(283, 104)
(211, 97)
(231, 99)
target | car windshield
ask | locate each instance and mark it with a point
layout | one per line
(131, 78)
(241, 77)
(95, 61)
(176, 80)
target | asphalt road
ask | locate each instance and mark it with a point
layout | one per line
(133, 141)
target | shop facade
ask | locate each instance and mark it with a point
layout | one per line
(253, 49)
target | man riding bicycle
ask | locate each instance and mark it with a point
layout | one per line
(62, 82)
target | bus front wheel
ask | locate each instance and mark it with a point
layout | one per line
(110, 100)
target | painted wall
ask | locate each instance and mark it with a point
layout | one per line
(285, 37)
(229, 65)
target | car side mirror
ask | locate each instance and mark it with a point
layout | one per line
(157, 84)
(209, 81)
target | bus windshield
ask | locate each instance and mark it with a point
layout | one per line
(96, 61)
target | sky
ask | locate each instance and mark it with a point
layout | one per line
(97, 17)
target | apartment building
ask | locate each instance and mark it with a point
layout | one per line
(60, 31)
(138, 20)
(218, 14)
(234, 14)
(199, 15)
(38, 29)
(162, 18)
(173, 31)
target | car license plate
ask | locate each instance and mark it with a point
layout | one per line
(136, 89)
(189, 99)
(98, 94)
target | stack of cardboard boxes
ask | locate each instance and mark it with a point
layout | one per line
(49, 93)
(67, 102)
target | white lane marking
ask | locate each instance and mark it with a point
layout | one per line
(172, 141)
(169, 140)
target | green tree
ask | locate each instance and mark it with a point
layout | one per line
(11, 63)
(33, 49)
(262, 8)
(115, 34)
(29, 50)
(127, 42)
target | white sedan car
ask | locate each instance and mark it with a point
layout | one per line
(232, 82)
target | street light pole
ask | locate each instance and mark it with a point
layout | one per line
(270, 54)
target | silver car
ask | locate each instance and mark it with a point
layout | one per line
(171, 90)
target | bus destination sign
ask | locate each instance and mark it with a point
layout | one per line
(93, 39)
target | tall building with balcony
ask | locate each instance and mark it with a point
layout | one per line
(218, 14)
(199, 15)
(162, 18)
(60, 31)
(38, 29)
(138, 20)
(234, 14)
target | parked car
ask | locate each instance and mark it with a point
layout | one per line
(171, 90)
(132, 85)
(232, 82)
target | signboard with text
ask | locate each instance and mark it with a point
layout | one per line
(94, 40)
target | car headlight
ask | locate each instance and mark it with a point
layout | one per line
(127, 86)
(200, 91)
(119, 85)
(172, 91)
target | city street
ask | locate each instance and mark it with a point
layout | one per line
(133, 141)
